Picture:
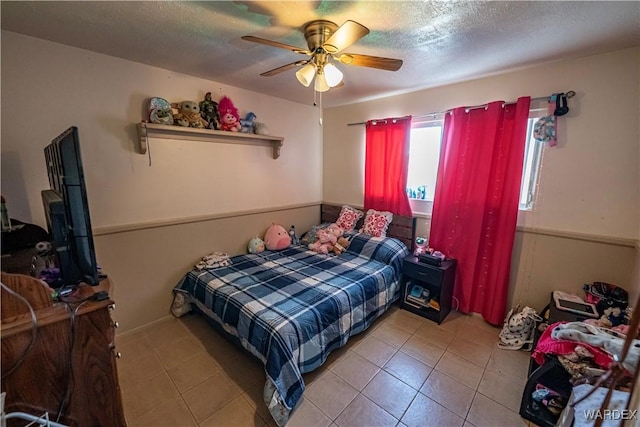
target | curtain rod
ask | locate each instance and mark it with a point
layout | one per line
(569, 94)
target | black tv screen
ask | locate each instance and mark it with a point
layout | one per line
(67, 211)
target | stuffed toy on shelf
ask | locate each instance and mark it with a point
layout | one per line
(160, 111)
(189, 115)
(209, 112)
(247, 124)
(229, 118)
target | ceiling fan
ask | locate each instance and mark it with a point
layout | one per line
(326, 41)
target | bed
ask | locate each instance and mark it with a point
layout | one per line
(291, 308)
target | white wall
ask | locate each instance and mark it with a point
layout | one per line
(589, 182)
(145, 239)
(585, 222)
(47, 87)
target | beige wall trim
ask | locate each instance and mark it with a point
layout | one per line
(610, 240)
(103, 231)
(353, 205)
(617, 241)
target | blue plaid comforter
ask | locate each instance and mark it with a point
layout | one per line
(291, 308)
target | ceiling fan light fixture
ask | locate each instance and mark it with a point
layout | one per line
(305, 74)
(326, 41)
(332, 75)
(321, 84)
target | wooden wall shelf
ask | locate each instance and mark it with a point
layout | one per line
(152, 130)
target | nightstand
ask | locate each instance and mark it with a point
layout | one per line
(438, 280)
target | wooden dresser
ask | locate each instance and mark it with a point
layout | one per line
(70, 368)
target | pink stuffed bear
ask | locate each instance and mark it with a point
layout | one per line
(325, 242)
(277, 238)
(336, 230)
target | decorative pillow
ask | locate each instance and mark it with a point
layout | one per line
(348, 218)
(376, 223)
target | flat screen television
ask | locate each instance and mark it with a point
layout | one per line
(67, 211)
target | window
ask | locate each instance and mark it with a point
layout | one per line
(531, 166)
(424, 154)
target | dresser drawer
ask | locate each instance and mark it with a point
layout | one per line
(423, 272)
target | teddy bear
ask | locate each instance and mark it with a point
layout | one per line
(335, 229)
(189, 115)
(324, 244)
(229, 117)
(341, 245)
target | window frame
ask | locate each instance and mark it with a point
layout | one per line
(424, 206)
(536, 161)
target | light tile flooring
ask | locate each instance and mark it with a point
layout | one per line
(404, 371)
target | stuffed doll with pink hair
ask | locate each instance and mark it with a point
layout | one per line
(229, 117)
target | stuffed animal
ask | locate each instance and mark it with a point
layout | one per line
(247, 125)
(311, 236)
(160, 111)
(295, 240)
(189, 115)
(341, 245)
(614, 315)
(335, 229)
(256, 245)
(209, 111)
(261, 128)
(229, 118)
(324, 244)
(276, 238)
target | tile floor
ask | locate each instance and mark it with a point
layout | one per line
(403, 371)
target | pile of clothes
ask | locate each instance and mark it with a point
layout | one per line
(587, 349)
(214, 260)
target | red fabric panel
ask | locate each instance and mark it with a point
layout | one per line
(476, 201)
(386, 166)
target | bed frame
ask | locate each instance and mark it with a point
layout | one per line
(402, 228)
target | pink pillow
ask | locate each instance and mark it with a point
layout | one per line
(376, 223)
(348, 218)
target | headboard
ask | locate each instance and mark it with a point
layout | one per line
(402, 228)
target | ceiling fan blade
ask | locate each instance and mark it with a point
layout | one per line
(283, 68)
(276, 44)
(346, 35)
(388, 64)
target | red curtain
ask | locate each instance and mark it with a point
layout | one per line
(476, 201)
(386, 165)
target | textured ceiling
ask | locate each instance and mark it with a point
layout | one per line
(439, 42)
